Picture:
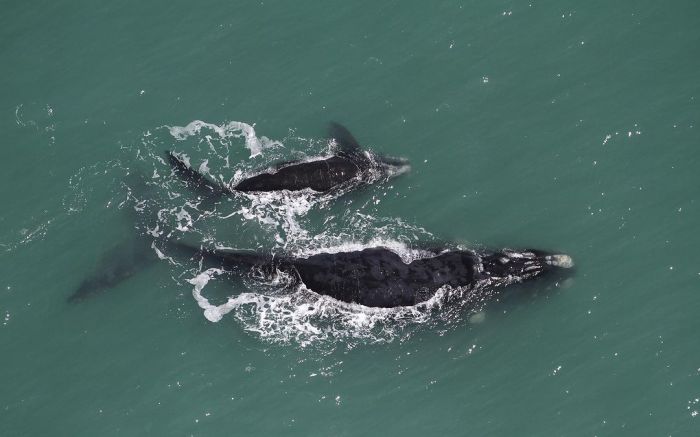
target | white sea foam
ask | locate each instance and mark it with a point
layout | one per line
(406, 253)
(273, 308)
(233, 129)
(303, 317)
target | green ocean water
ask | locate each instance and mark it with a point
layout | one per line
(565, 126)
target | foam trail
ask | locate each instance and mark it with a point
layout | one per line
(303, 317)
(213, 313)
(233, 129)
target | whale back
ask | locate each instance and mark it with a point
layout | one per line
(320, 175)
(374, 277)
(378, 277)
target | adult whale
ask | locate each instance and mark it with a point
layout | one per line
(378, 277)
(349, 166)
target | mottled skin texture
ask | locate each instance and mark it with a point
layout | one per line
(378, 277)
(321, 175)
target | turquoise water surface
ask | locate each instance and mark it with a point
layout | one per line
(566, 126)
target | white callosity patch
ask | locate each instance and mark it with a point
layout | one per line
(562, 261)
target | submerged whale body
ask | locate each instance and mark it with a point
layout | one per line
(378, 277)
(116, 266)
(349, 165)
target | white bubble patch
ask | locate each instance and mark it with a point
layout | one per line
(233, 129)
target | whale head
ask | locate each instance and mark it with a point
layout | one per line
(516, 266)
(391, 166)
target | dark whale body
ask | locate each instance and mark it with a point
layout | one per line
(378, 277)
(321, 175)
(349, 165)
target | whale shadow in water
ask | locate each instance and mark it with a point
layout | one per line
(115, 266)
(133, 254)
(349, 166)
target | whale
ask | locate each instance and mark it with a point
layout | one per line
(379, 277)
(349, 166)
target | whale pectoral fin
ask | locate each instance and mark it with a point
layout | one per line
(348, 144)
(225, 257)
(192, 176)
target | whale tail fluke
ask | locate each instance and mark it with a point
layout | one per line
(559, 260)
(192, 177)
(228, 258)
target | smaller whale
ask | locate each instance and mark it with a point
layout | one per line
(349, 166)
(378, 277)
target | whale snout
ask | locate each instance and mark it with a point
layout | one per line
(559, 260)
(394, 166)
